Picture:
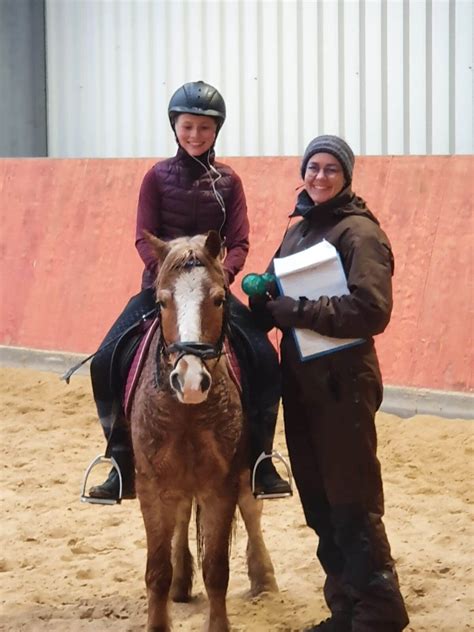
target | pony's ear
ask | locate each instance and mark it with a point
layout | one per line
(213, 243)
(160, 248)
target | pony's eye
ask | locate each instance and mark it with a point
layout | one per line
(218, 301)
(163, 298)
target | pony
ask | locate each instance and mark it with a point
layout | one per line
(189, 438)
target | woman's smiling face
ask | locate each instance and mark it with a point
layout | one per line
(324, 177)
(196, 134)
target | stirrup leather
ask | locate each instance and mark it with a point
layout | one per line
(85, 498)
(279, 457)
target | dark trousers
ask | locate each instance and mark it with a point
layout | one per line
(260, 372)
(257, 358)
(107, 389)
(332, 443)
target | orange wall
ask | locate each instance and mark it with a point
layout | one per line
(69, 264)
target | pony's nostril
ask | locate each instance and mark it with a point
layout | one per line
(175, 383)
(205, 383)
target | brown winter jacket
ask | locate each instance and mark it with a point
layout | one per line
(177, 199)
(366, 255)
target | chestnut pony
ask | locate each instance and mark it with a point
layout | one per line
(189, 438)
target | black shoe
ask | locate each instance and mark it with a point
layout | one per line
(268, 482)
(336, 623)
(111, 486)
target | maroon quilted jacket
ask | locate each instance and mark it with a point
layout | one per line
(176, 199)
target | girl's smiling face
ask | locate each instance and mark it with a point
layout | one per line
(196, 134)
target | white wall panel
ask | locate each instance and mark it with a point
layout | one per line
(463, 79)
(309, 73)
(441, 49)
(287, 80)
(417, 117)
(373, 78)
(393, 93)
(329, 67)
(351, 124)
(391, 76)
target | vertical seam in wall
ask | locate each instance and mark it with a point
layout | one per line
(383, 78)
(429, 77)
(320, 65)
(134, 98)
(299, 77)
(45, 82)
(258, 78)
(280, 99)
(117, 76)
(241, 77)
(99, 78)
(101, 134)
(452, 77)
(187, 37)
(406, 77)
(166, 33)
(362, 112)
(221, 29)
(153, 80)
(205, 39)
(341, 68)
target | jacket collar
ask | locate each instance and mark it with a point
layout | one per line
(343, 205)
(207, 157)
(306, 207)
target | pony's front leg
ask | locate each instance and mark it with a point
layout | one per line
(260, 568)
(216, 522)
(183, 567)
(159, 519)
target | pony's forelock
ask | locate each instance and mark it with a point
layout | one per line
(186, 249)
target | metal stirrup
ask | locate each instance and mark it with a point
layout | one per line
(85, 498)
(279, 457)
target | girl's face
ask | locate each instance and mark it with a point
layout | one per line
(324, 177)
(196, 134)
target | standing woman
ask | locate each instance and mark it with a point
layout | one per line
(188, 194)
(330, 401)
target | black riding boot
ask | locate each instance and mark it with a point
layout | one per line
(268, 481)
(339, 604)
(110, 488)
(119, 447)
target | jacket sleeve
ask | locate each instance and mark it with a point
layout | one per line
(366, 310)
(148, 217)
(236, 230)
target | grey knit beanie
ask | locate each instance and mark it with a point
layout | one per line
(335, 146)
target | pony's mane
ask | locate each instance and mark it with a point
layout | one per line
(186, 249)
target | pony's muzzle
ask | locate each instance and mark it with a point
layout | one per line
(190, 380)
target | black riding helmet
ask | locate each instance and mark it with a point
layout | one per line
(200, 98)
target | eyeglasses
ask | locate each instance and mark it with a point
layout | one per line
(329, 171)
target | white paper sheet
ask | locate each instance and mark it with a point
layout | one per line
(314, 272)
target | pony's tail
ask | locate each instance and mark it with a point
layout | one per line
(200, 536)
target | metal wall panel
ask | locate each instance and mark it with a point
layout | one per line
(391, 76)
(22, 78)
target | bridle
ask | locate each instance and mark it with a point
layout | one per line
(202, 350)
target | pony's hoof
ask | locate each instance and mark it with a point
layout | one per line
(269, 585)
(180, 595)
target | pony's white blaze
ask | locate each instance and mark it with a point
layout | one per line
(194, 379)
